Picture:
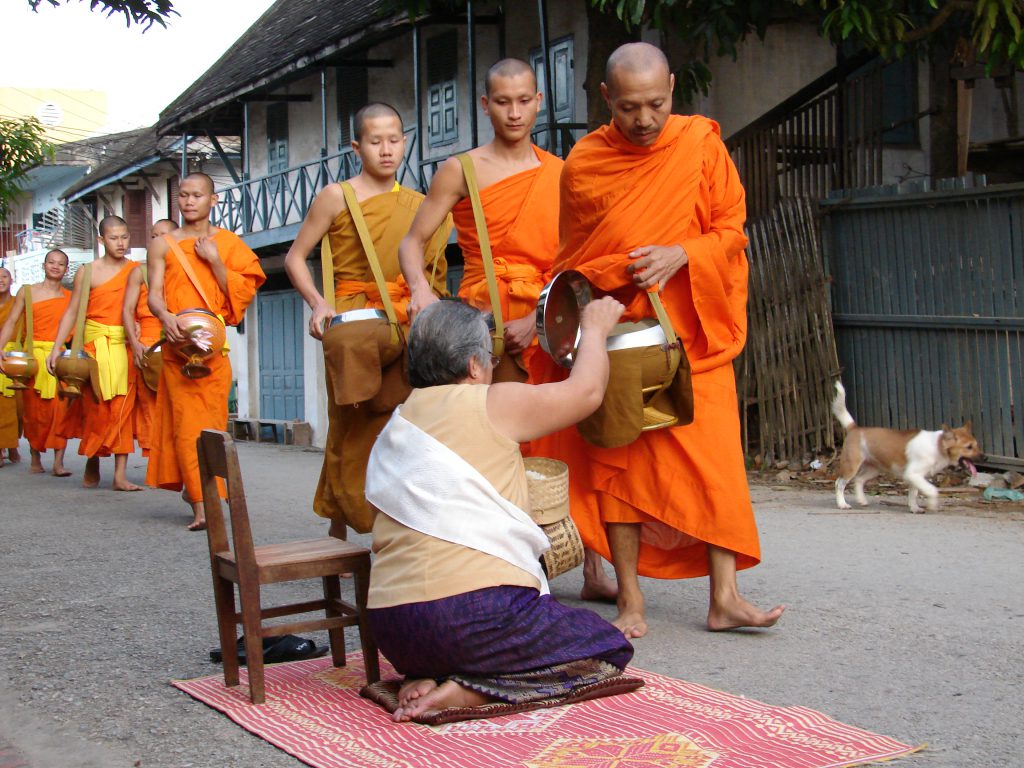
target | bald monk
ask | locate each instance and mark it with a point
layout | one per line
(229, 274)
(142, 330)
(518, 184)
(43, 411)
(10, 421)
(652, 200)
(388, 210)
(107, 413)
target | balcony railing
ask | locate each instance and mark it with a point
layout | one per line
(282, 199)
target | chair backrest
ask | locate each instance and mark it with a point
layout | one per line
(218, 460)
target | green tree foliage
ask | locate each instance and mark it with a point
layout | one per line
(144, 13)
(894, 29)
(23, 145)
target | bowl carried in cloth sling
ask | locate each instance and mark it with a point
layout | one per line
(649, 378)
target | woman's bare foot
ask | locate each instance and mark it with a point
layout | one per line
(92, 472)
(737, 612)
(414, 689)
(447, 694)
(597, 586)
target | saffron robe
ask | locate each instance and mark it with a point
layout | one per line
(184, 406)
(687, 485)
(10, 421)
(521, 212)
(352, 429)
(150, 329)
(44, 411)
(107, 413)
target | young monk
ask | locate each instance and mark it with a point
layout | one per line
(10, 421)
(518, 184)
(389, 210)
(107, 413)
(229, 274)
(142, 330)
(650, 202)
(43, 410)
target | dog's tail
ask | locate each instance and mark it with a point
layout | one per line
(839, 407)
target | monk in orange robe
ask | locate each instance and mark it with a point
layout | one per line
(10, 421)
(229, 274)
(518, 184)
(142, 329)
(107, 411)
(388, 210)
(43, 411)
(653, 200)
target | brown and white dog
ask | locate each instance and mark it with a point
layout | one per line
(911, 455)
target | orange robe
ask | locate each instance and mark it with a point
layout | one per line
(686, 484)
(10, 427)
(184, 406)
(150, 329)
(107, 422)
(44, 416)
(352, 429)
(521, 212)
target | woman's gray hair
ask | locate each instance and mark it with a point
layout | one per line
(443, 339)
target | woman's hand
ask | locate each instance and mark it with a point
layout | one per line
(601, 316)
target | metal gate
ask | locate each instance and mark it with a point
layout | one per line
(928, 304)
(281, 360)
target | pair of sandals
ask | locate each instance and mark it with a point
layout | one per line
(276, 649)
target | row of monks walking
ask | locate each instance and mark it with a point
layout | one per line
(648, 209)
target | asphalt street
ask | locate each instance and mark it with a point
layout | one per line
(908, 625)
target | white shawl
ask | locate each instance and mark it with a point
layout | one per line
(423, 484)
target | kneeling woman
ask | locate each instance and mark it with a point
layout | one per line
(458, 600)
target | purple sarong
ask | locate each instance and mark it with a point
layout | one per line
(510, 643)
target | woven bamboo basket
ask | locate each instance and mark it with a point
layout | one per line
(548, 481)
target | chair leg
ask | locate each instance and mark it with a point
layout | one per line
(252, 626)
(361, 577)
(332, 592)
(224, 598)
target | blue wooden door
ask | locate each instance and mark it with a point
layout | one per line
(280, 343)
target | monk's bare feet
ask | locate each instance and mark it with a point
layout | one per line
(58, 471)
(597, 586)
(199, 524)
(447, 694)
(124, 485)
(92, 473)
(13, 455)
(632, 618)
(36, 465)
(736, 612)
(414, 689)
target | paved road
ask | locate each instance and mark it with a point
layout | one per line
(909, 625)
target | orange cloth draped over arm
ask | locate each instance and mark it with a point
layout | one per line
(107, 424)
(352, 429)
(45, 417)
(10, 431)
(686, 484)
(521, 212)
(150, 329)
(184, 406)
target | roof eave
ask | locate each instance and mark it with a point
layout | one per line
(388, 24)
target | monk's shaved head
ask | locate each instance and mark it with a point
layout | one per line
(372, 111)
(7, 272)
(509, 68)
(57, 250)
(200, 176)
(111, 221)
(634, 58)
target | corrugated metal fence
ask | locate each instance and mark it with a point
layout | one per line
(928, 304)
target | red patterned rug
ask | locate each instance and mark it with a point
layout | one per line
(314, 712)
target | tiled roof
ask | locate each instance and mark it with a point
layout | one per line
(137, 146)
(291, 34)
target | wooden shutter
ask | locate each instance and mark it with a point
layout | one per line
(172, 199)
(277, 137)
(353, 94)
(442, 89)
(135, 205)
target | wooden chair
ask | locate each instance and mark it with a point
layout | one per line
(251, 567)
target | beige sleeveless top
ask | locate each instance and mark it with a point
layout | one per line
(412, 567)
